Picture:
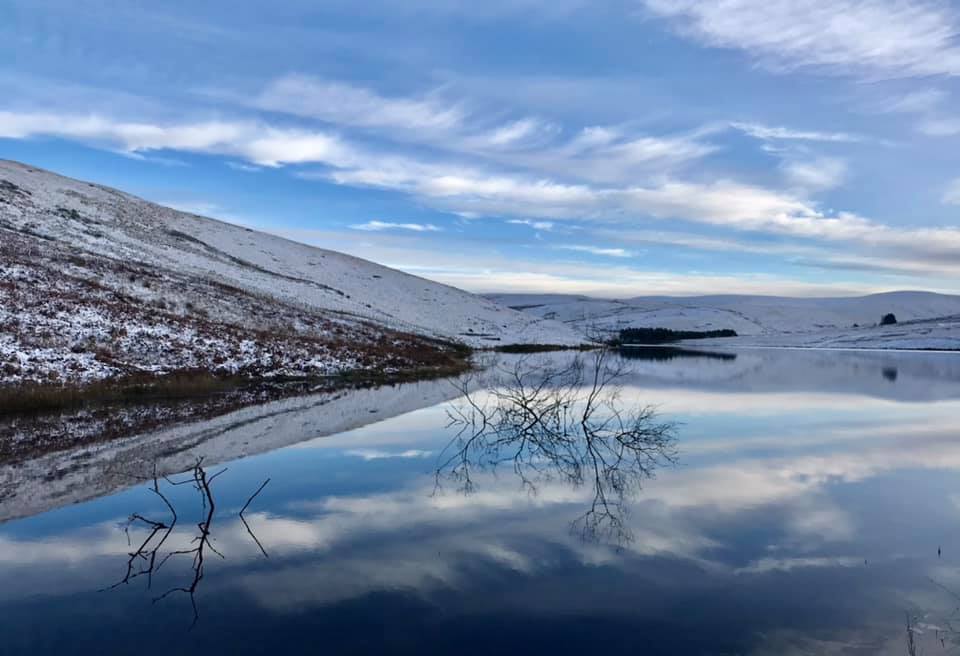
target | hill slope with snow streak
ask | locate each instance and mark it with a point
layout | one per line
(104, 221)
(927, 320)
(86, 269)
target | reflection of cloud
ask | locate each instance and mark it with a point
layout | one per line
(821, 521)
(786, 564)
(413, 538)
(747, 483)
(374, 454)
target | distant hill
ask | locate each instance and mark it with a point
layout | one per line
(926, 320)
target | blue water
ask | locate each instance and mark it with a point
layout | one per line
(810, 498)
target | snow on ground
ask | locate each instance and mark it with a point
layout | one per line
(97, 220)
(926, 320)
(71, 318)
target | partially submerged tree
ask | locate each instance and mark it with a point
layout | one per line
(560, 422)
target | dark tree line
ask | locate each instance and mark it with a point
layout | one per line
(666, 335)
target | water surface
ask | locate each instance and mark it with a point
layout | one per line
(814, 508)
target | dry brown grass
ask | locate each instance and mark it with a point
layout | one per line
(37, 398)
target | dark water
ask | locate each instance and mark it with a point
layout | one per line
(812, 494)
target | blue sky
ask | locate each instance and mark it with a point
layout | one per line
(805, 147)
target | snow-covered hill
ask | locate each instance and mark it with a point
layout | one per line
(85, 268)
(927, 320)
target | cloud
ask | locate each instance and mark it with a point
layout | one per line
(872, 38)
(375, 226)
(536, 225)
(597, 250)
(258, 143)
(517, 132)
(240, 166)
(598, 153)
(767, 133)
(481, 190)
(940, 127)
(951, 195)
(765, 565)
(817, 174)
(915, 102)
(345, 104)
(429, 118)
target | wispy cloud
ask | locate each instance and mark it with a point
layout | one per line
(375, 226)
(598, 250)
(536, 225)
(240, 166)
(951, 195)
(484, 192)
(874, 38)
(940, 127)
(258, 143)
(816, 174)
(346, 104)
(768, 133)
(914, 102)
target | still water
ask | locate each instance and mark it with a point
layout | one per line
(810, 504)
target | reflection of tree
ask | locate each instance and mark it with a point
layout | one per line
(560, 422)
(148, 558)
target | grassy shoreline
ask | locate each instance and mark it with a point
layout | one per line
(31, 399)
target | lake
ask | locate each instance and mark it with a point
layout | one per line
(809, 503)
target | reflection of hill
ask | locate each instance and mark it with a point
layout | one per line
(50, 481)
(897, 376)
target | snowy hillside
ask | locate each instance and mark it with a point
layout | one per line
(926, 320)
(95, 283)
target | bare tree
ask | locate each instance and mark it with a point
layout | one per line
(560, 422)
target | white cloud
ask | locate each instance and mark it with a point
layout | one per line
(375, 226)
(256, 142)
(765, 565)
(498, 192)
(875, 38)
(345, 104)
(915, 102)
(597, 250)
(940, 127)
(599, 153)
(767, 132)
(240, 166)
(536, 225)
(951, 195)
(817, 174)
(516, 133)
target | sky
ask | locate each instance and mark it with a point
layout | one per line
(619, 148)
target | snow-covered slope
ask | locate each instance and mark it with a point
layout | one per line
(927, 320)
(104, 221)
(84, 267)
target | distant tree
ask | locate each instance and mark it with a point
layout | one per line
(666, 335)
(888, 319)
